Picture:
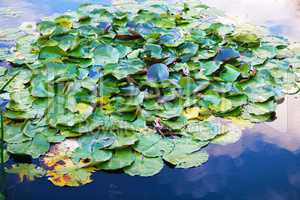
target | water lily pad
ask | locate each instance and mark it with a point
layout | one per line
(188, 85)
(230, 74)
(189, 160)
(144, 166)
(231, 136)
(158, 72)
(26, 171)
(106, 54)
(185, 154)
(69, 174)
(124, 139)
(266, 51)
(210, 67)
(124, 88)
(125, 68)
(153, 145)
(226, 54)
(120, 159)
(51, 53)
(261, 108)
(204, 130)
(172, 38)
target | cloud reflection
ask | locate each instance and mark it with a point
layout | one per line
(27, 12)
(285, 130)
(281, 16)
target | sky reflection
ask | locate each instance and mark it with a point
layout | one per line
(263, 165)
(280, 16)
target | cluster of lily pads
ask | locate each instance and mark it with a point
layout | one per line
(108, 88)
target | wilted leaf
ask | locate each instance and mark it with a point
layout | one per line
(68, 174)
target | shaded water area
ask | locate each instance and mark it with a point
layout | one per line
(263, 165)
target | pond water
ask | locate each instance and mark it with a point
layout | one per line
(263, 165)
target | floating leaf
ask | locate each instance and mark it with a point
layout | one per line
(231, 136)
(188, 85)
(123, 88)
(68, 174)
(261, 108)
(144, 166)
(51, 53)
(26, 171)
(172, 38)
(124, 139)
(185, 154)
(204, 130)
(226, 54)
(158, 72)
(189, 160)
(210, 67)
(120, 159)
(5, 156)
(230, 74)
(125, 68)
(152, 145)
(106, 54)
(192, 113)
(266, 51)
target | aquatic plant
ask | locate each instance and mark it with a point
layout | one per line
(108, 88)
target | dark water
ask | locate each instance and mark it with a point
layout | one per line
(261, 171)
(263, 165)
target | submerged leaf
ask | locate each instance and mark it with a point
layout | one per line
(28, 171)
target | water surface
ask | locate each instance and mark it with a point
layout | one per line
(263, 165)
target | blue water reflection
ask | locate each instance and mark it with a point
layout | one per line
(263, 165)
(262, 171)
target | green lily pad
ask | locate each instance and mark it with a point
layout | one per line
(124, 139)
(125, 87)
(51, 53)
(232, 135)
(261, 108)
(186, 154)
(106, 54)
(153, 145)
(204, 130)
(210, 67)
(144, 166)
(188, 160)
(120, 159)
(230, 74)
(125, 68)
